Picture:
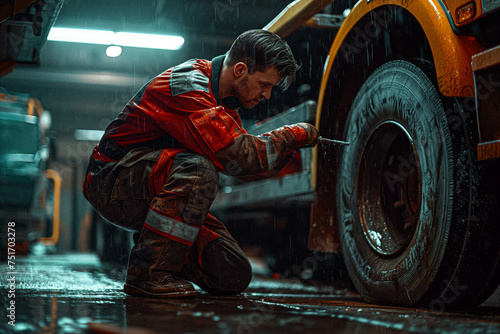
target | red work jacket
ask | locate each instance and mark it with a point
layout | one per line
(179, 110)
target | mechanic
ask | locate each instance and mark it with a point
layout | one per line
(156, 169)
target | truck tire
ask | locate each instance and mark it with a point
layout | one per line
(418, 214)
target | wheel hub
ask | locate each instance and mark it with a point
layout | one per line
(389, 191)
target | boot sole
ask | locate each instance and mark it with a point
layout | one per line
(135, 291)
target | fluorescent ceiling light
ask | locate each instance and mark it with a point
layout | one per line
(148, 40)
(106, 37)
(89, 135)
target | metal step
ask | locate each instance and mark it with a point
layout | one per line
(293, 188)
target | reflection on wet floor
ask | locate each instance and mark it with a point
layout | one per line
(77, 294)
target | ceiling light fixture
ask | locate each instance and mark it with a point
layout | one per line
(113, 51)
(106, 37)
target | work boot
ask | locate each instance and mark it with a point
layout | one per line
(167, 286)
(154, 265)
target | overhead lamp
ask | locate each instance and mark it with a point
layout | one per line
(107, 37)
(113, 51)
(148, 41)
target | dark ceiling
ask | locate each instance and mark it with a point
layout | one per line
(84, 89)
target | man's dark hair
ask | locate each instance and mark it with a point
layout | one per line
(259, 49)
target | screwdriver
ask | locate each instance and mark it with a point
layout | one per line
(332, 141)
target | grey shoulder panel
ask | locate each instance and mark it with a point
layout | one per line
(185, 79)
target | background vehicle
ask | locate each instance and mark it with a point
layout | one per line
(412, 202)
(29, 190)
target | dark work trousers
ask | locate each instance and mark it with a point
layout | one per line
(177, 232)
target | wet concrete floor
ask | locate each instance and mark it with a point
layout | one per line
(75, 293)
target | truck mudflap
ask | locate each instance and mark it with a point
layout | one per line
(486, 67)
(290, 187)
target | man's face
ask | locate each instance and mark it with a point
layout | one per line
(253, 88)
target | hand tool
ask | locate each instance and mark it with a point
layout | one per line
(332, 141)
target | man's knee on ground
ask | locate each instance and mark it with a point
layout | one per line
(231, 272)
(237, 281)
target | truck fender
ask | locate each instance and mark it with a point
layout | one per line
(452, 53)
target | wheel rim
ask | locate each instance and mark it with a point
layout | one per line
(389, 189)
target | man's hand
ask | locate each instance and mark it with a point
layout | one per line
(312, 135)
